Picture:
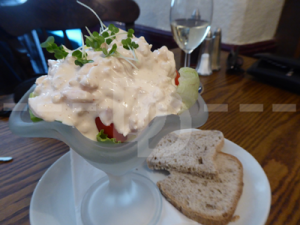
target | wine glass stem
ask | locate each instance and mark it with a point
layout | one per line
(118, 183)
(187, 60)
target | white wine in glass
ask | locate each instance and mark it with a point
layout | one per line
(189, 30)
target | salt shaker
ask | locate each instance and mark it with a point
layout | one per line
(216, 50)
(204, 59)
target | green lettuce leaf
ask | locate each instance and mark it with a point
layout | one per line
(32, 116)
(102, 137)
(189, 83)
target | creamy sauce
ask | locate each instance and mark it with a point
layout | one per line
(110, 88)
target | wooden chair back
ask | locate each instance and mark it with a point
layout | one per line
(58, 15)
(64, 14)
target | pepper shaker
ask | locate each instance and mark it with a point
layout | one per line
(216, 50)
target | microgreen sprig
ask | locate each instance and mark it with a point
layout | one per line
(130, 33)
(81, 58)
(100, 41)
(113, 30)
(111, 51)
(59, 52)
(102, 25)
(94, 40)
(129, 44)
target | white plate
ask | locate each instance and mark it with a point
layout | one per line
(52, 201)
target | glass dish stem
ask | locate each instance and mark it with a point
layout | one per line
(127, 199)
(118, 183)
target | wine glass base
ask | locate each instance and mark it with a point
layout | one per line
(140, 202)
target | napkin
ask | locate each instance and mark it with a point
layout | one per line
(84, 175)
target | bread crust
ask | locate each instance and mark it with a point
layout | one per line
(203, 218)
(207, 171)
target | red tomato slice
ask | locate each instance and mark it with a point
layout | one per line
(109, 130)
(176, 78)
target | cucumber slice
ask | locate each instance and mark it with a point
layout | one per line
(189, 83)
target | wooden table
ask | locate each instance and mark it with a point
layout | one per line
(273, 138)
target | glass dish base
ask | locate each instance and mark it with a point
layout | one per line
(137, 201)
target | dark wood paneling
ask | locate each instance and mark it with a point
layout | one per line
(254, 48)
(288, 31)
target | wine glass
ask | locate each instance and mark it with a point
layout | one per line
(190, 22)
(123, 196)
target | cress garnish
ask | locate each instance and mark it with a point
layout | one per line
(98, 42)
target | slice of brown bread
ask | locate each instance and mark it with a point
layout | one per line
(207, 201)
(191, 152)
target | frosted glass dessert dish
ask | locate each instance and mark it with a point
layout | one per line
(122, 197)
